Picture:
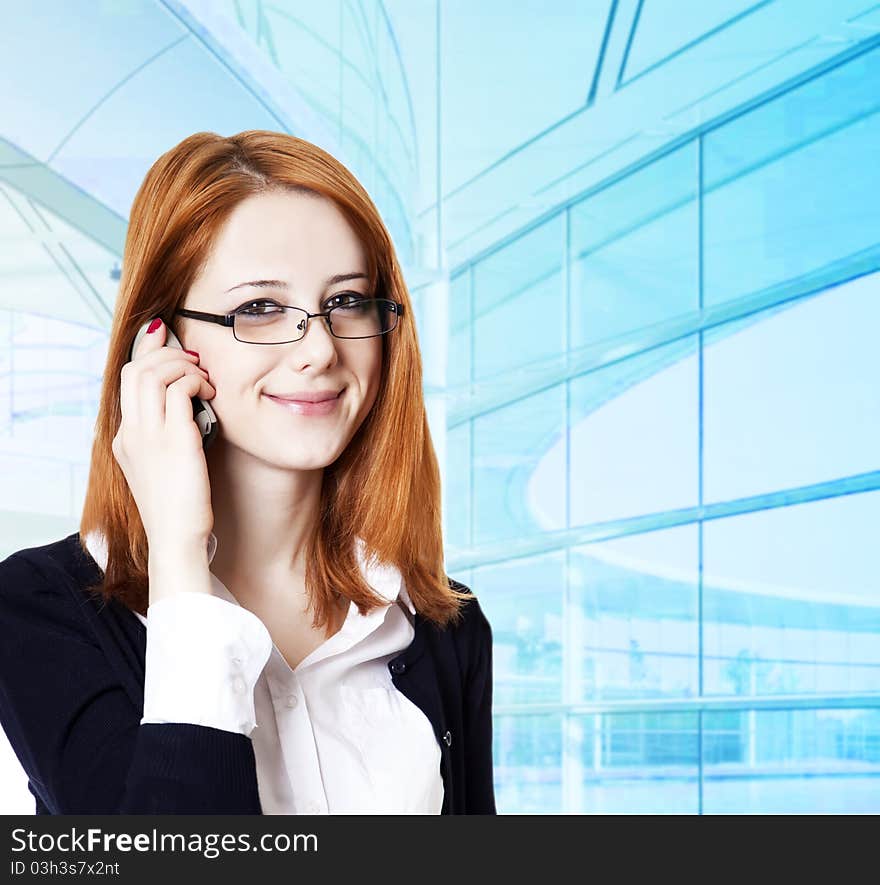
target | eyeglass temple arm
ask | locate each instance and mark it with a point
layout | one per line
(220, 319)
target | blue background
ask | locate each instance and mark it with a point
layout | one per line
(643, 242)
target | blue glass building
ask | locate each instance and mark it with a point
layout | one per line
(643, 240)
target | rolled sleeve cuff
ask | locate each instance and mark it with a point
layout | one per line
(203, 659)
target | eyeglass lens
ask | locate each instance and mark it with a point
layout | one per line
(274, 324)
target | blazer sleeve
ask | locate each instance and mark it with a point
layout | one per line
(77, 733)
(479, 773)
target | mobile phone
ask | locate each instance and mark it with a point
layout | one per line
(203, 414)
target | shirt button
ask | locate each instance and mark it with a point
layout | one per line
(238, 684)
(237, 662)
(292, 701)
(313, 808)
(398, 667)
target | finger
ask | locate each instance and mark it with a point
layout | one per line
(156, 346)
(143, 344)
(151, 341)
(150, 350)
(178, 402)
(145, 388)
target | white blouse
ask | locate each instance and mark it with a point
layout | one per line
(333, 735)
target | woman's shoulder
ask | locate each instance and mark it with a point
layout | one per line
(65, 554)
(474, 618)
(36, 578)
(472, 631)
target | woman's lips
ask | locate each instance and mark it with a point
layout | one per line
(327, 407)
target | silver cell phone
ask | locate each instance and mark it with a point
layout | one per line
(203, 414)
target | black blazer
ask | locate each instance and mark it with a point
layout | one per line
(72, 697)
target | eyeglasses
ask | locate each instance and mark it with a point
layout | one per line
(264, 321)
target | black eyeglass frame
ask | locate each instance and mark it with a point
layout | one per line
(228, 319)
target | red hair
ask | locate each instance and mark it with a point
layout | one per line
(385, 486)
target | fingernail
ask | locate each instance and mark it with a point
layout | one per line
(154, 325)
(193, 352)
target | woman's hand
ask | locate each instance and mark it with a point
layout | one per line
(159, 446)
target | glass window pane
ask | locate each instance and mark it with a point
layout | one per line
(458, 364)
(634, 249)
(527, 756)
(518, 302)
(457, 486)
(633, 624)
(509, 444)
(665, 27)
(634, 436)
(791, 762)
(785, 185)
(791, 396)
(639, 763)
(791, 599)
(523, 601)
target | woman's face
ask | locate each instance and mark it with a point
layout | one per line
(302, 240)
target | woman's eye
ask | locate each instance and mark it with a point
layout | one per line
(257, 306)
(347, 298)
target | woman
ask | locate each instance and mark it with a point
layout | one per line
(262, 625)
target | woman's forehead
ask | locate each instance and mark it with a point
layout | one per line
(300, 245)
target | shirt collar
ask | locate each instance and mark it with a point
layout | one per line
(385, 579)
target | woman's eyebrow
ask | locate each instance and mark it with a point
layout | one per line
(282, 284)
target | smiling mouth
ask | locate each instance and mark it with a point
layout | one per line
(306, 408)
(293, 399)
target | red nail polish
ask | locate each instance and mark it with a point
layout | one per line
(154, 325)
